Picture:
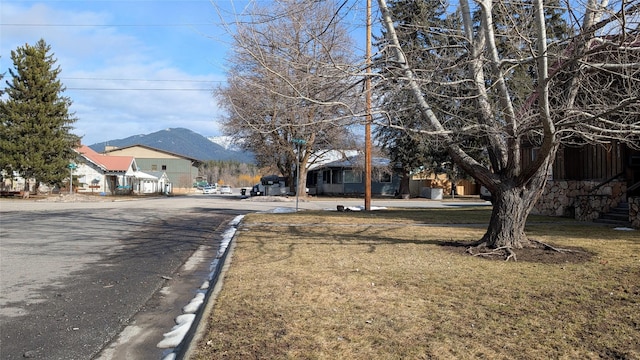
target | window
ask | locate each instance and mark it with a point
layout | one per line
(352, 177)
(164, 167)
(154, 167)
(333, 176)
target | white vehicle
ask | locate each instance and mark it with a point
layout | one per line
(211, 189)
(225, 189)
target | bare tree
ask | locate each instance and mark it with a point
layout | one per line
(289, 91)
(506, 81)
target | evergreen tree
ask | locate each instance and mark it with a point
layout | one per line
(35, 120)
(422, 29)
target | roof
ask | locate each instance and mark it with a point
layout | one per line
(144, 176)
(154, 149)
(357, 161)
(321, 158)
(106, 162)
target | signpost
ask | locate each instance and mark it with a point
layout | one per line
(298, 142)
(71, 167)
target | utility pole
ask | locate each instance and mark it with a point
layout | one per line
(298, 142)
(367, 136)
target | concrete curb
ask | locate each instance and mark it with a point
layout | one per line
(196, 333)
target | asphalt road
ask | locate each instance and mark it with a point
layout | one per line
(104, 280)
(74, 275)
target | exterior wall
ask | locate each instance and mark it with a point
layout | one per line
(180, 172)
(90, 179)
(634, 211)
(573, 198)
(141, 152)
(17, 183)
(418, 184)
(342, 188)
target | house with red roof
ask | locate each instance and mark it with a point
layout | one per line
(112, 174)
(104, 174)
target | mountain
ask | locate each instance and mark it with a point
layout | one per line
(226, 142)
(183, 142)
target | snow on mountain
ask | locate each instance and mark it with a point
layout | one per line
(225, 141)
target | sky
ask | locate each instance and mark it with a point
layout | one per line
(130, 67)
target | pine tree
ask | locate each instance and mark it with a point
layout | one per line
(422, 29)
(35, 120)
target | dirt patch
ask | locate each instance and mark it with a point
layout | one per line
(541, 255)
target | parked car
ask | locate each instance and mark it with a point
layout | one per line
(211, 189)
(225, 189)
(257, 190)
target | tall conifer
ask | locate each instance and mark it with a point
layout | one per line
(35, 124)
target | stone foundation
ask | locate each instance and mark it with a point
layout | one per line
(634, 212)
(590, 207)
(573, 199)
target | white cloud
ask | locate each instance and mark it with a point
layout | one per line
(96, 60)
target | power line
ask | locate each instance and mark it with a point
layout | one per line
(133, 89)
(133, 79)
(104, 25)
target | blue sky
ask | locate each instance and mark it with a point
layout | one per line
(130, 67)
(133, 67)
(137, 66)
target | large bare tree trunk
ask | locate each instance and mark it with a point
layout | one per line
(302, 185)
(508, 219)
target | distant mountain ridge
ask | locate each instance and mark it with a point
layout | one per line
(181, 141)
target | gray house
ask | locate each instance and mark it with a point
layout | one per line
(346, 177)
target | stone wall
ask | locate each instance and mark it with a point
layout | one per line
(634, 211)
(573, 199)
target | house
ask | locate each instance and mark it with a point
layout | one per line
(181, 171)
(104, 174)
(429, 184)
(590, 180)
(346, 177)
(155, 182)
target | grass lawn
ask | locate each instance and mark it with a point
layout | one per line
(388, 285)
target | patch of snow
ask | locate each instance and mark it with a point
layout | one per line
(236, 220)
(194, 304)
(170, 356)
(281, 210)
(623, 229)
(174, 337)
(213, 265)
(183, 322)
(226, 142)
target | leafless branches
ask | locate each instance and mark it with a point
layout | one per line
(290, 77)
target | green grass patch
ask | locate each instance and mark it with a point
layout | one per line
(381, 285)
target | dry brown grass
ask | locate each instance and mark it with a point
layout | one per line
(381, 285)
